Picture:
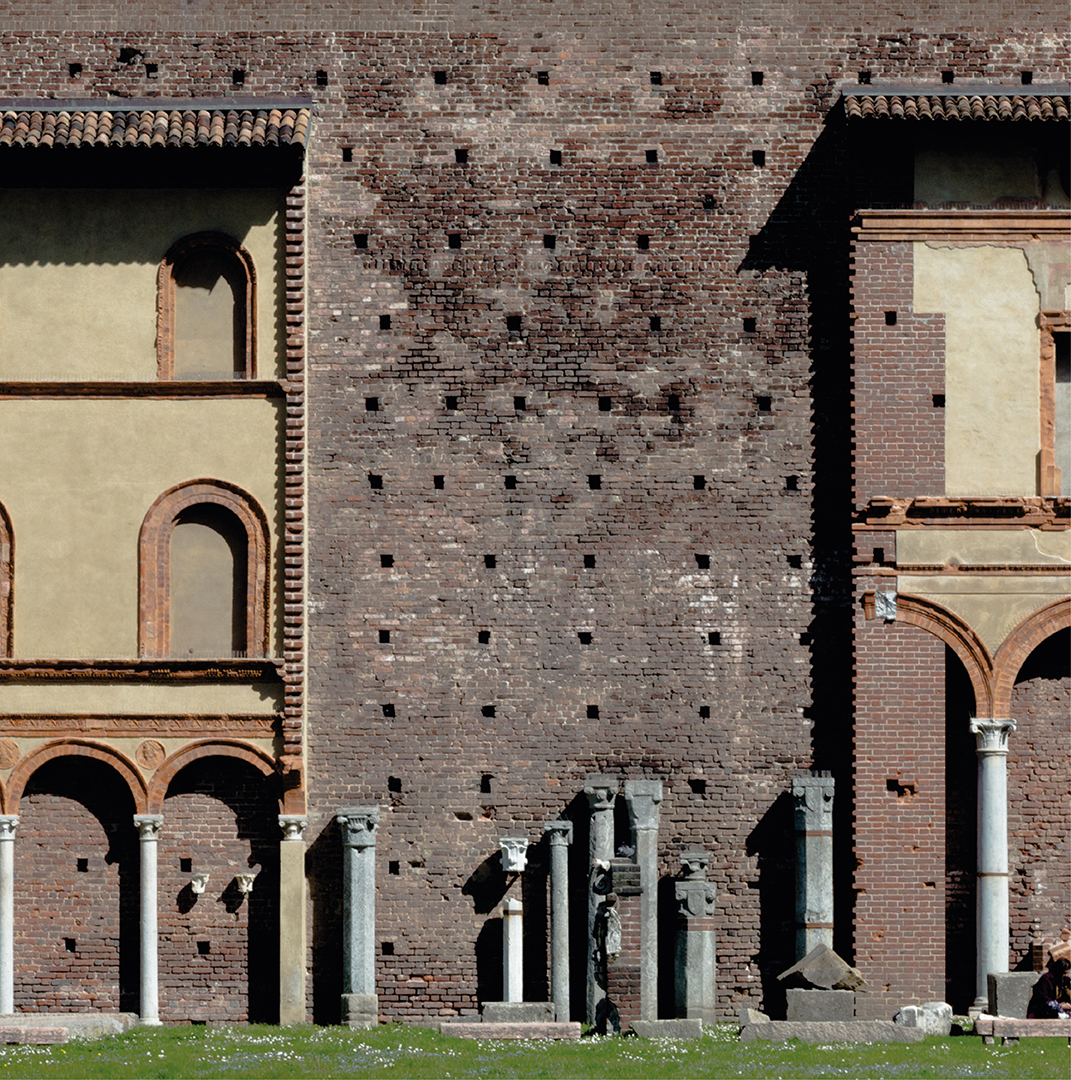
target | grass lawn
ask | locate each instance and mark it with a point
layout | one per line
(395, 1051)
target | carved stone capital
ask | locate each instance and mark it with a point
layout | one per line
(559, 832)
(148, 826)
(643, 797)
(991, 734)
(694, 863)
(293, 826)
(695, 898)
(601, 790)
(358, 824)
(813, 797)
(8, 824)
(514, 853)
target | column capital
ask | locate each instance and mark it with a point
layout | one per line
(643, 797)
(695, 898)
(601, 790)
(8, 824)
(358, 825)
(293, 826)
(813, 796)
(148, 825)
(514, 853)
(694, 863)
(991, 734)
(560, 833)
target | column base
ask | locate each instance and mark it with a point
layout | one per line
(360, 1010)
(150, 1023)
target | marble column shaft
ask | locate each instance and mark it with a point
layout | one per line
(643, 797)
(512, 950)
(292, 919)
(358, 824)
(560, 834)
(148, 826)
(601, 790)
(813, 797)
(696, 948)
(8, 824)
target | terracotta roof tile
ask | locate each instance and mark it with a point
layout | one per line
(153, 127)
(958, 106)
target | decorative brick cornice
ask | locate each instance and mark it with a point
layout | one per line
(152, 670)
(1017, 512)
(106, 725)
(968, 225)
(181, 390)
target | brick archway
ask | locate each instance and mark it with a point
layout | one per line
(22, 772)
(1020, 643)
(960, 638)
(154, 562)
(161, 779)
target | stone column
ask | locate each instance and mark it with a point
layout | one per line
(292, 919)
(643, 797)
(696, 952)
(600, 790)
(992, 939)
(148, 826)
(560, 834)
(512, 950)
(8, 824)
(360, 1005)
(813, 796)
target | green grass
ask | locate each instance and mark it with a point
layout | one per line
(395, 1051)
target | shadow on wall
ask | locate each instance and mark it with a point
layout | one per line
(773, 841)
(323, 871)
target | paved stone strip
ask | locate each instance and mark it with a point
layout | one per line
(566, 1032)
(832, 1031)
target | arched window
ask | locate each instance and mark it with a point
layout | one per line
(203, 574)
(7, 583)
(206, 308)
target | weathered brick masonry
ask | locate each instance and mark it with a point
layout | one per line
(578, 475)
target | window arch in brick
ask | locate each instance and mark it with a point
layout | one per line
(203, 574)
(7, 583)
(206, 310)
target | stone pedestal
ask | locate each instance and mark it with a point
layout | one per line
(292, 919)
(601, 790)
(358, 825)
(8, 824)
(560, 834)
(813, 797)
(643, 797)
(820, 1005)
(148, 826)
(512, 950)
(993, 939)
(696, 949)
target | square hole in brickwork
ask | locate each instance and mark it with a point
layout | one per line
(595, 482)
(238, 76)
(764, 403)
(550, 241)
(371, 404)
(655, 323)
(710, 203)
(605, 404)
(758, 157)
(698, 785)
(127, 54)
(656, 78)
(394, 783)
(805, 638)
(484, 637)
(699, 483)
(384, 637)
(203, 948)
(375, 482)
(555, 157)
(462, 815)
(388, 710)
(756, 78)
(792, 483)
(593, 712)
(520, 404)
(543, 78)
(70, 944)
(643, 242)
(485, 783)
(864, 78)
(584, 637)
(589, 562)
(74, 70)
(948, 77)
(82, 866)
(714, 637)
(899, 789)
(185, 866)
(451, 403)
(750, 324)
(890, 318)
(461, 156)
(1026, 77)
(394, 867)
(488, 711)
(879, 556)
(490, 561)
(347, 155)
(795, 561)
(440, 78)
(938, 401)
(321, 78)
(453, 240)
(702, 562)
(439, 482)
(704, 712)
(673, 403)
(651, 157)
(510, 482)
(513, 324)
(360, 239)
(151, 71)
(387, 947)
(384, 322)
(386, 561)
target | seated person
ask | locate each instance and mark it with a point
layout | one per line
(1051, 997)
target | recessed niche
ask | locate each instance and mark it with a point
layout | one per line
(698, 785)
(384, 322)
(709, 202)
(203, 948)
(82, 866)
(513, 324)
(651, 157)
(643, 242)
(758, 157)
(510, 482)
(386, 560)
(550, 241)
(1026, 77)
(387, 947)
(439, 77)
(595, 482)
(371, 404)
(656, 78)
(70, 944)
(593, 712)
(555, 157)
(394, 867)
(394, 784)
(451, 403)
(948, 77)
(750, 324)
(704, 712)
(485, 783)
(453, 240)
(488, 711)
(764, 403)
(543, 78)
(714, 637)
(699, 482)
(360, 239)
(864, 78)
(321, 78)
(605, 404)
(795, 561)
(388, 710)
(151, 71)
(878, 556)
(792, 483)
(655, 323)
(484, 637)
(375, 482)
(439, 482)
(702, 562)
(584, 637)
(347, 155)
(238, 77)
(490, 561)
(938, 401)
(384, 637)
(756, 78)
(890, 318)
(673, 403)
(74, 70)
(185, 866)
(461, 157)
(589, 562)
(462, 815)
(520, 404)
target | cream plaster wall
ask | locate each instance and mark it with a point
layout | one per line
(980, 546)
(990, 304)
(78, 478)
(141, 699)
(78, 275)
